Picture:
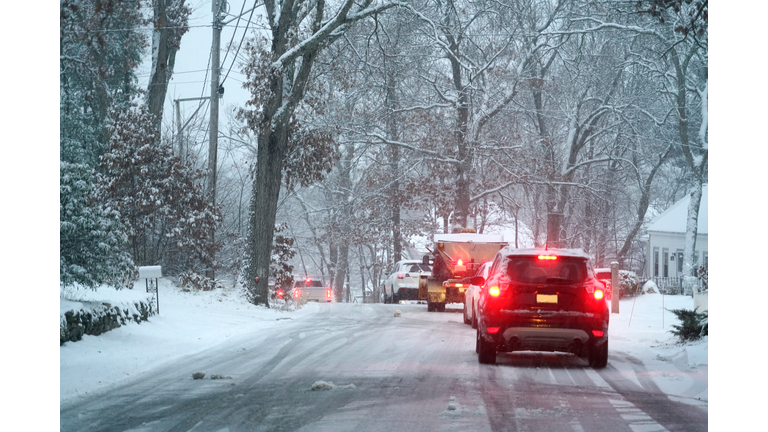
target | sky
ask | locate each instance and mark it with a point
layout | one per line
(192, 78)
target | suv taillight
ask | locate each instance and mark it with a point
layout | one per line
(599, 294)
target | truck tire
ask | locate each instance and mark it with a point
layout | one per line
(440, 307)
(430, 306)
(486, 351)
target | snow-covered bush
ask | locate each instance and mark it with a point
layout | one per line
(197, 281)
(628, 282)
(91, 236)
(693, 325)
(168, 215)
(650, 287)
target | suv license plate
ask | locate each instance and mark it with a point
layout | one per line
(546, 298)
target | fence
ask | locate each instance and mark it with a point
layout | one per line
(670, 285)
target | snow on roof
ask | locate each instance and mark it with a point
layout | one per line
(579, 253)
(469, 237)
(674, 218)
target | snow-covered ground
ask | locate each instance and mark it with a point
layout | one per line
(191, 322)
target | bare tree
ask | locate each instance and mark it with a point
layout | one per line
(277, 78)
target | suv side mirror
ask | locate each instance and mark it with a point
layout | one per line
(477, 280)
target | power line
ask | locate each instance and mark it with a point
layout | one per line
(241, 39)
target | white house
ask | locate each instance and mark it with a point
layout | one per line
(665, 241)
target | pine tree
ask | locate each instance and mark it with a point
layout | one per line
(91, 236)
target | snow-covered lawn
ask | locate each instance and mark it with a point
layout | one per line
(191, 322)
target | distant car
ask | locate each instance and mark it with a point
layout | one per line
(604, 276)
(472, 296)
(403, 282)
(542, 300)
(311, 289)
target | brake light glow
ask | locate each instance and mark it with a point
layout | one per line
(598, 294)
(460, 262)
(328, 293)
(399, 275)
(494, 291)
(598, 333)
(296, 293)
(280, 293)
(548, 257)
(494, 330)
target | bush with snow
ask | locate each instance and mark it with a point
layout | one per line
(692, 325)
(91, 235)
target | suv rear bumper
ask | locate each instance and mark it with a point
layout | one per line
(540, 333)
(408, 293)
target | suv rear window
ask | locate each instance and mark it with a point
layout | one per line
(419, 267)
(530, 269)
(314, 283)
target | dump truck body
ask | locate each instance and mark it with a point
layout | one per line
(456, 256)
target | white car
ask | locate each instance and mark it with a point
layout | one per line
(403, 282)
(311, 289)
(472, 296)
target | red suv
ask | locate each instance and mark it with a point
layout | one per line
(542, 300)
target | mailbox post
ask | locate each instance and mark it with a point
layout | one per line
(152, 273)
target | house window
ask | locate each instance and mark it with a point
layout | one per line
(665, 258)
(679, 262)
(656, 262)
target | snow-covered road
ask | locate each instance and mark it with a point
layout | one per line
(416, 372)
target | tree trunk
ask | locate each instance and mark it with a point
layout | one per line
(266, 187)
(163, 59)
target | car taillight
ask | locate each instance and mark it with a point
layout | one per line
(399, 275)
(328, 293)
(598, 333)
(599, 294)
(296, 293)
(279, 293)
(460, 262)
(494, 291)
(548, 257)
(494, 330)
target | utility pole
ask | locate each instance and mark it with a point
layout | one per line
(216, 6)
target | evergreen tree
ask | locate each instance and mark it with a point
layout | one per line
(100, 47)
(91, 236)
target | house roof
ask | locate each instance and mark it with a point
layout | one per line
(674, 218)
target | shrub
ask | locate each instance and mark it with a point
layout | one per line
(198, 282)
(692, 326)
(628, 282)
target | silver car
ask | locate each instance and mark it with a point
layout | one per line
(472, 297)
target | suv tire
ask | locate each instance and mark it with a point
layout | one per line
(598, 356)
(486, 351)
